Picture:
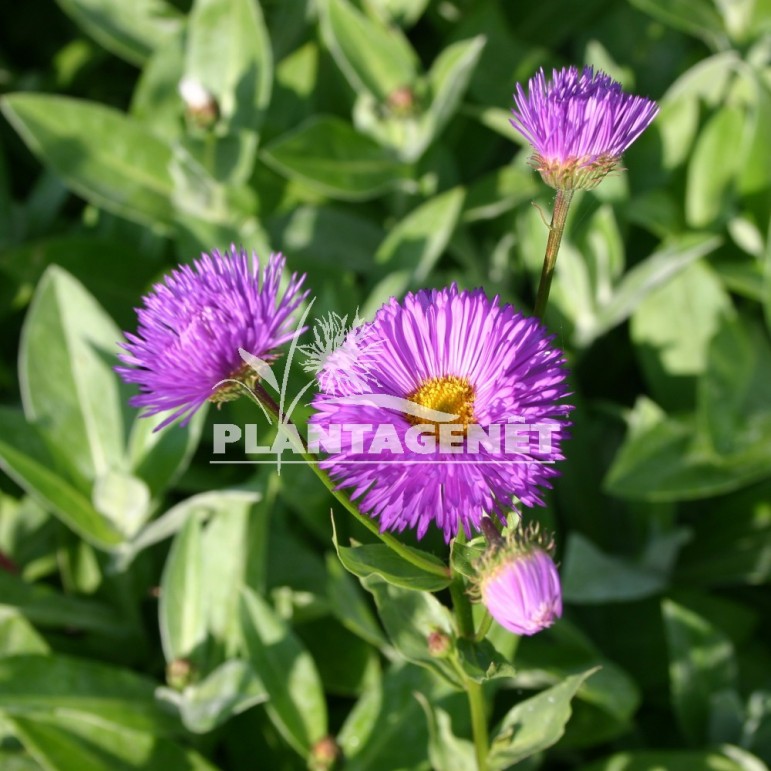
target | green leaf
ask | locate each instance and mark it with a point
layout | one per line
(644, 278)
(733, 398)
(700, 19)
(64, 741)
(711, 170)
(499, 192)
(386, 729)
(38, 686)
(182, 614)
(590, 576)
(668, 459)
(45, 607)
(481, 661)
(447, 80)
(159, 457)
(671, 760)
(331, 157)
(227, 691)
(445, 750)
(534, 724)
(124, 499)
(229, 54)
(379, 559)
(410, 617)
(701, 664)
(130, 30)
(296, 706)
(372, 57)
(672, 328)
(402, 12)
(103, 155)
(50, 490)
(348, 604)
(204, 505)
(17, 635)
(17, 761)
(418, 241)
(69, 389)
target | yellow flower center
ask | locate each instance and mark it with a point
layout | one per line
(448, 393)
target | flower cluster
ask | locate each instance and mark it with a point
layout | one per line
(579, 124)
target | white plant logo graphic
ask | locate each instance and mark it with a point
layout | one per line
(341, 355)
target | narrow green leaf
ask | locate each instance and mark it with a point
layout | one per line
(229, 54)
(700, 19)
(671, 760)
(379, 559)
(348, 604)
(418, 241)
(711, 170)
(373, 57)
(53, 493)
(534, 724)
(591, 576)
(17, 635)
(642, 279)
(701, 663)
(227, 691)
(330, 156)
(410, 617)
(44, 685)
(103, 155)
(159, 457)
(69, 389)
(65, 741)
(181, 610)
(47, 608)
(445, 750)
(296, 706)
(130, 30)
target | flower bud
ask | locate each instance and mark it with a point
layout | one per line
(200, 105)
(439, 644)
(325, 754)
(519, 584)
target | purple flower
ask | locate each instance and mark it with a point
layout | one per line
(442, 363)
(192, 326)
(521, 589)
(579, 125)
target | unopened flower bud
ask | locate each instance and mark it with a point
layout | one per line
(401, 101)
(439, 644)
(325, 754)
(179, 673)
(200, 105)
(519, 584)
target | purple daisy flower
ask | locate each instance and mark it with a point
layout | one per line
(578, 124)
(449, 366)
(194, 324)
(521, 590)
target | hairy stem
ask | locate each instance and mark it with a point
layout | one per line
(558, 218)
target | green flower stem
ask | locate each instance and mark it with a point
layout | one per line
(474, 692)
(558, 218)
(262, 398)
(476, 701)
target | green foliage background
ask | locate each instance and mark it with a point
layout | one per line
(370, 143)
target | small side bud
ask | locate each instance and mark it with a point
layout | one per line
(325, 755)
(179, 674)
(439, 644)
(200, 105)
(401, 101)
